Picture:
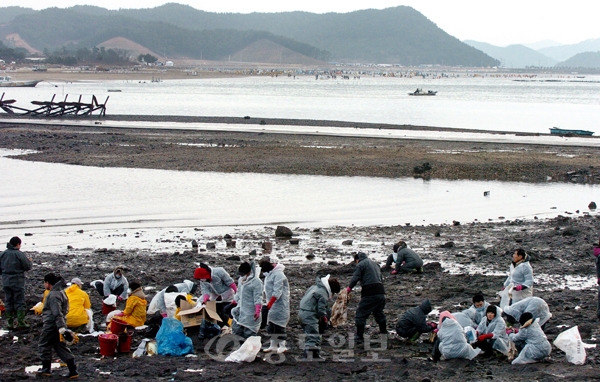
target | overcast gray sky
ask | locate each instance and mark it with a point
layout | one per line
(496, 22)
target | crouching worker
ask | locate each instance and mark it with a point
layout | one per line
(114, 283)
(407, 260)
(314, 310)
(134, 313)
(492, 333)
(451, 341)
(530, 341)
(79, 304)
(54, 324)
(247, 302)
(413, 322)
(534, 305)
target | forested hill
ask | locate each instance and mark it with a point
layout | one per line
(398, 35)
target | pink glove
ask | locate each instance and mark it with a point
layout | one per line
(519, 287)
(234, 287)
(257, 309)
(325, 319)
(503, 287)
(120, 298)
(271, 302)
(164, 315)
(436, 330)
(515, 330)
(599, 281)
(348, 289)
(432, 324)
(205, 298)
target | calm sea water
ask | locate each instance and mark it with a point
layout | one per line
(465, 102)
(52, 200)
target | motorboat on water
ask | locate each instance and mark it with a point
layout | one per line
(559, 131)
(420, 92)
(6, 81)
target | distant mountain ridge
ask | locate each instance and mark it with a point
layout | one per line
(564, 52)
(514, 56)
(398, 35)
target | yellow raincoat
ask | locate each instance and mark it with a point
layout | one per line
(190, 300)
(37, 308)
(79, 301)
(135, 309)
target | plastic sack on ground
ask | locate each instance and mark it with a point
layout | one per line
(90, 324)
(247, 352)
(141, 349)
(505, 296)
(570, 342)
(171, 340)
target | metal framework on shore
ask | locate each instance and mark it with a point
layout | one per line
(56, 109)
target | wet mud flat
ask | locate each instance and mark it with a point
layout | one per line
(460, 260)
(224, 151)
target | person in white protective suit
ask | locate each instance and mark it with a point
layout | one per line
(530, 341)
(451, 341)
(520, 276)
(247, 302)
(534, 305)
(491, 333)
(158, 303)
(277, 293)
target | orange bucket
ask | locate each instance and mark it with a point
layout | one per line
(118, 326)
(124, 345)
(106, 309)
(108, 344)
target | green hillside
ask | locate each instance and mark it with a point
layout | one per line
(398, 35)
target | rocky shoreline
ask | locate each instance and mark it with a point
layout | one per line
(461, 259)
(230, 151)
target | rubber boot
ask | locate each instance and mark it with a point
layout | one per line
(414, 337)
(383, 327)
(360, 335)
(72, 370)
(272, 347)
(281, 348)
(317, 355)
(21, 320)
(46, 370)
(10, 318)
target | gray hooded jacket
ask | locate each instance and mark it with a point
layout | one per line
(315, 303)
(56, 307)
(13, 265)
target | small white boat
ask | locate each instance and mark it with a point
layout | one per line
(6, 81)
(420, 92)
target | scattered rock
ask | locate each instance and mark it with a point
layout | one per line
(347, 242)
(332, 262)
(227, 237)
(294, 241)
(422, 168)
(194, 244)
(310, 256)
(211, 246)
(592, 206)
(233, 258)
(267, 247)
(455, 223)
(80, 231)
(283, 231)
(101, 250)
(230, 243)
(449, 244)
(28, 234)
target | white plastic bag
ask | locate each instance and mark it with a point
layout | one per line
(90, 324)
(570, 342)
(470, 334)
(505, 296)
(110, 300)
(247, 352)
(141, 349)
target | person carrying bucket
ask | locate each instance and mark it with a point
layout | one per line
(54, 325)
(134, 313)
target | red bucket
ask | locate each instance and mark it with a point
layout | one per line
(124, 345)
(108, 344)
(106, 309)
(118, 326)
